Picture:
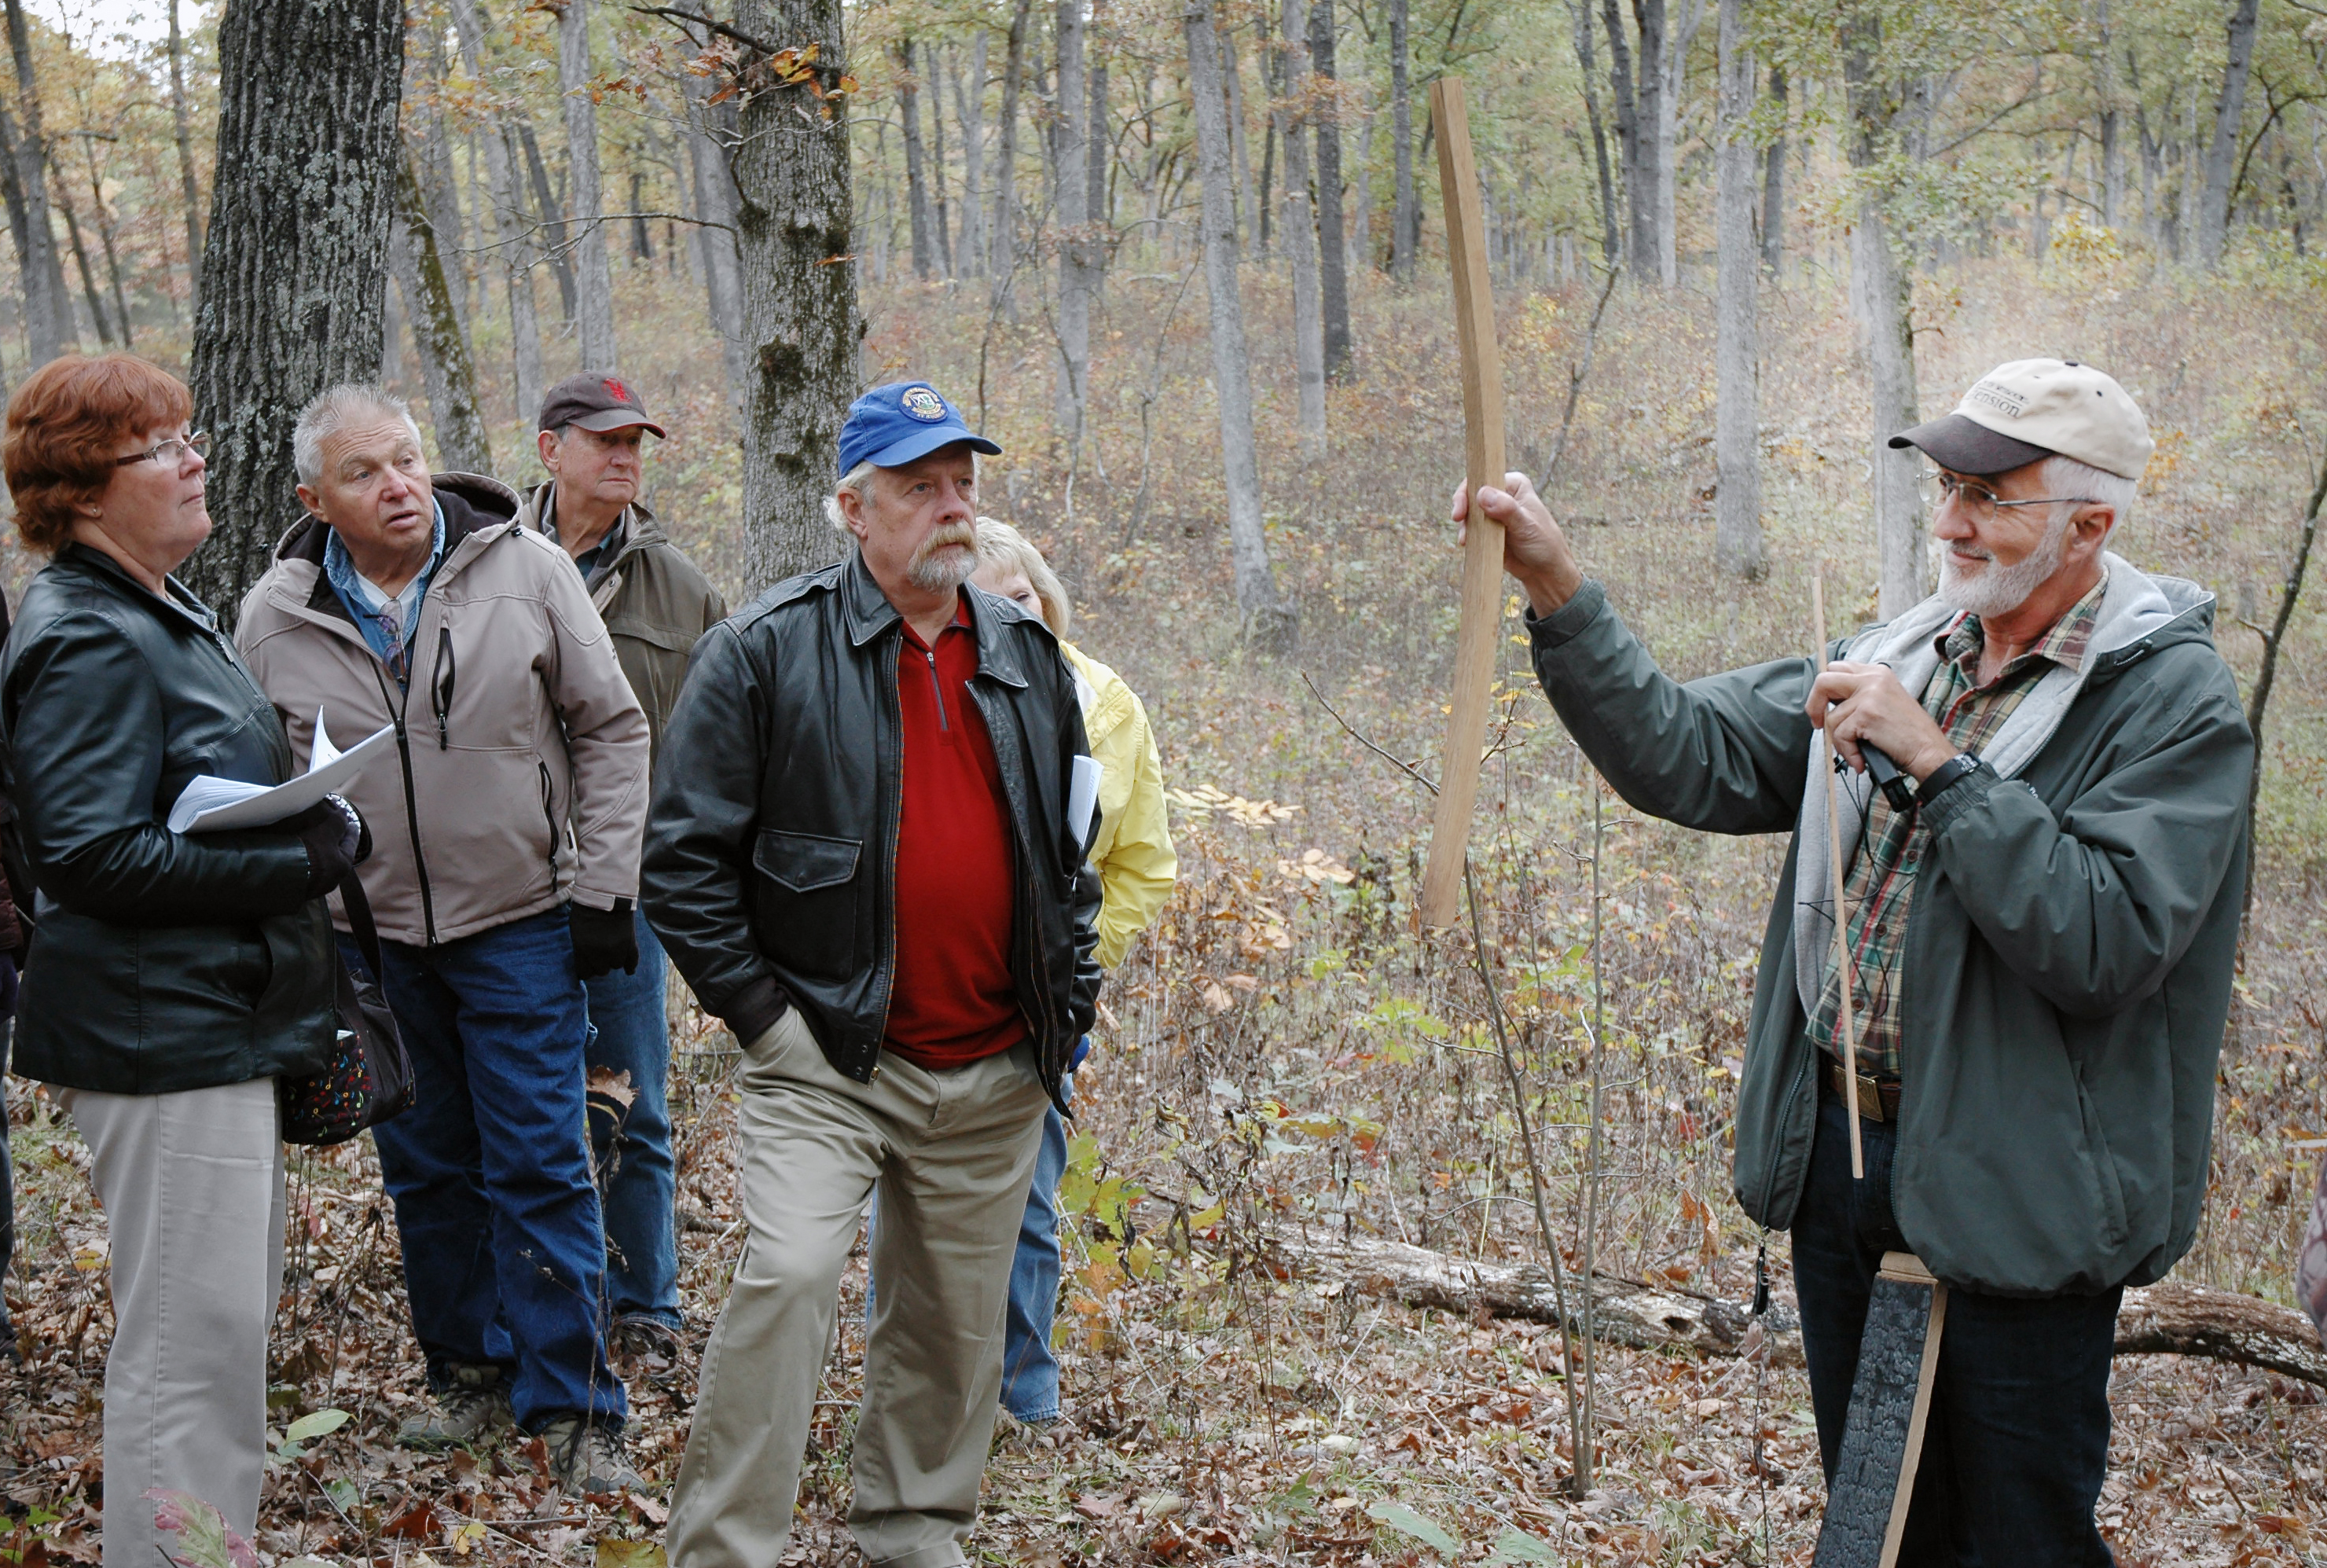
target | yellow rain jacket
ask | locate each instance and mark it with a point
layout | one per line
(1133, 851)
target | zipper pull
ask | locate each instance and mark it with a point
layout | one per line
(1762, 1276)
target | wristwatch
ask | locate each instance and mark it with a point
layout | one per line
(1950, 772)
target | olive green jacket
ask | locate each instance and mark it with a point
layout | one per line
(2068, 961)
(655, 602)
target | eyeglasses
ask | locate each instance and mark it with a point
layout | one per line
(1980, 502)
(171, 453)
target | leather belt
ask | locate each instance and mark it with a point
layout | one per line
(1878, 1099)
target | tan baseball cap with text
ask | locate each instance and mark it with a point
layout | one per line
(2025, 410)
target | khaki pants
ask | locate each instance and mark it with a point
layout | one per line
(192, 1188)
(953, 1152)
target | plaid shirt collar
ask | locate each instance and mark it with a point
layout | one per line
(2065, 642)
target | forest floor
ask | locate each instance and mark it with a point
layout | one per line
(1287, 1054)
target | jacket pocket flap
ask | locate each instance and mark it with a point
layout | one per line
(805, 862)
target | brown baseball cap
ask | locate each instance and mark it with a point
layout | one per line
(598, 403)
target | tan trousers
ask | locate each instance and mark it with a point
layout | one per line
(953, 1152)
(192, 1189)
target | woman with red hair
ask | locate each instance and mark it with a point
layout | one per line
(172, 977)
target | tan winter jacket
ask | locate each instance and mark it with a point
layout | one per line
(520, 774)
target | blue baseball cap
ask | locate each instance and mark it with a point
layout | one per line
(891, 426)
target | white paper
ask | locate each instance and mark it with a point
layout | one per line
(1082, 797)
(209, 804)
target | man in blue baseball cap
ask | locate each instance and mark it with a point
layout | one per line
(863, 856)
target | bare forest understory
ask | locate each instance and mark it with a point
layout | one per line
(1285, 1065)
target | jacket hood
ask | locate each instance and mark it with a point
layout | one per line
(2138, 615)
(640, 528)
(472, 503)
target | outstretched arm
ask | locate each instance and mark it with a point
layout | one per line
(1725, 755)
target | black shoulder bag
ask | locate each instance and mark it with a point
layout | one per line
(369, 1079)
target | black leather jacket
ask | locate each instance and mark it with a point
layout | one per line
(160, 961)
(770, 855)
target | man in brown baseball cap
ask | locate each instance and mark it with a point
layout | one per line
(2039, 934)
(655, 602)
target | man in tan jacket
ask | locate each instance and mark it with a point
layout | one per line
(656, 603)
(503, 874)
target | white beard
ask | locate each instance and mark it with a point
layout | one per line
(1994, 590)
(937, 568)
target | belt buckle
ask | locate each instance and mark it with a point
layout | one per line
(1869, 1092)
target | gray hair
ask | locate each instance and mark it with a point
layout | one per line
(2066, 476)
(1002, 546)
(332, 410)
(854, 481)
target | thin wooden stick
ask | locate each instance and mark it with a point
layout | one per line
(1841, 922)
(1479, 632)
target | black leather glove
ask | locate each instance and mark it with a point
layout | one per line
(331, 839)
(604, 940)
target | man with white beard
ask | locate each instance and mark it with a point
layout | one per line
(863, 857)
(2040, 938)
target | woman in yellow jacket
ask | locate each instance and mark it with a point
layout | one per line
(1132, 853)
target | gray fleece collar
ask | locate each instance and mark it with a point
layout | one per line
(2134, 607)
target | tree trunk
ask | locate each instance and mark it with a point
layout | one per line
(1579, 23)
(1678, 35)
(2112, 148)
(971, 102)
(98, 320)
(181, 123)
(1247, 202)
(106, 231)
(1401, 122)
(1268, 620)
(941, 230)
(1737, 430)
(1096, 146)
(291, 288)
(552, 215)
(517, 248)
(1333, 255)
(1003, 232)
(715, 203)
(586, 237)
(1640, 189)
(447, 369)
(48, 305)
(1653, 155)
(2222, 155)
(802, 324)
(1880, 297)
(1071, 186)
(1301, 240)
(917, 177)
(431, 152)
(1773, 185)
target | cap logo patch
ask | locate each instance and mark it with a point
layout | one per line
(923, 404)
(616, 390)
(2003, 399)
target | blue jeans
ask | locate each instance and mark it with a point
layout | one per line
(504, 1253)
(2017, 1443)
(634, 1037)
(1030, 1373)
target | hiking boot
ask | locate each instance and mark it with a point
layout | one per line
(646, 1338)
(468, 1409)
(587, 1458)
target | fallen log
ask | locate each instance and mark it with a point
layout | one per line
(2167, 1319)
